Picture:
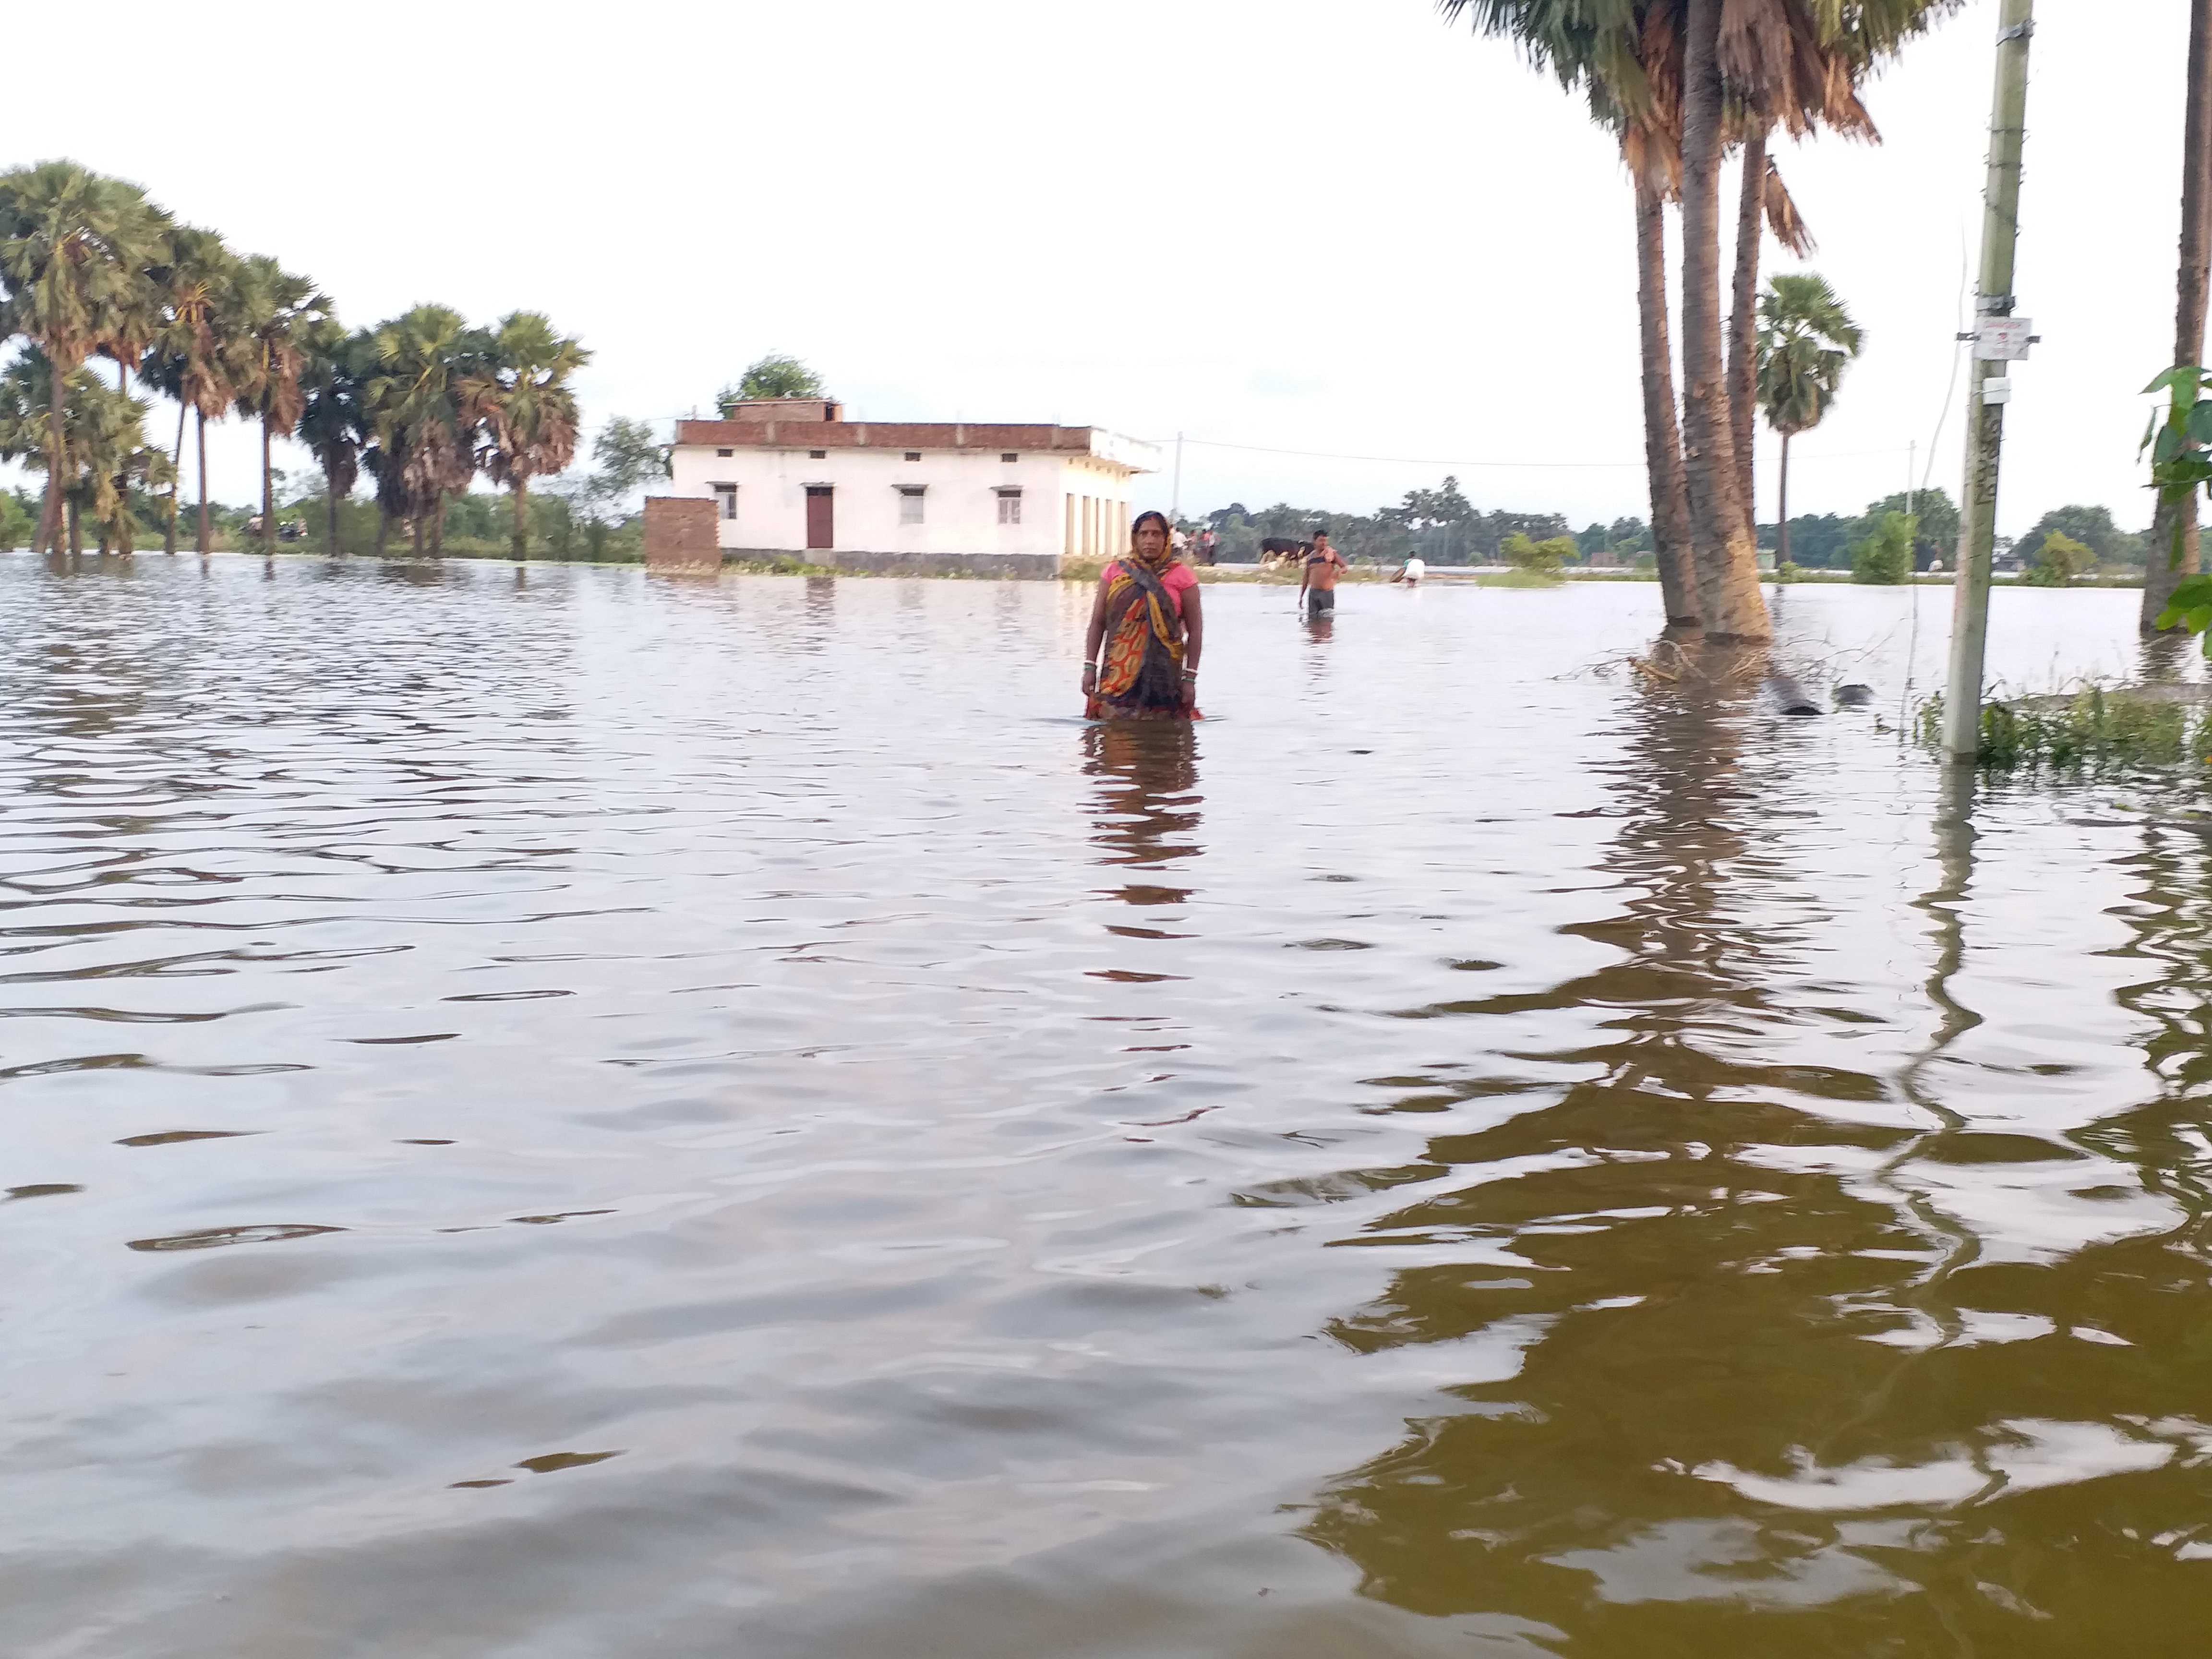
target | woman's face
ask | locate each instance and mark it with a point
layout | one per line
(1151, 541)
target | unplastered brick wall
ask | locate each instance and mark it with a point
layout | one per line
(680, 533)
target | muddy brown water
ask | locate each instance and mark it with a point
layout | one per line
(571, 1116)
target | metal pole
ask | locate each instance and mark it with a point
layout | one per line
(1912, 470)
(1969, 611)
(1174, 503)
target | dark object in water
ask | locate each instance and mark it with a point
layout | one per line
(1283, 547)
(1854, 696)
(1790, 697)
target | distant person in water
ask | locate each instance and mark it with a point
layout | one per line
(1149, 625)
(1412, 571)
(1317, 588)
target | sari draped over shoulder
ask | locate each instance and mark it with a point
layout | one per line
(1141, 677)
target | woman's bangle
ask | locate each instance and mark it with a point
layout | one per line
(1190, 673)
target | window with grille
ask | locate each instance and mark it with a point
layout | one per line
(910, 499)
(726, 499)
(1010, 507)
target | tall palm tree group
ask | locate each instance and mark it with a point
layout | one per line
(89, 267)
(1682, 83)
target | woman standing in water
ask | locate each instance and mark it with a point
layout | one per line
(1149, 621)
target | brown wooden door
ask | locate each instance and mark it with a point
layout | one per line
(821, 516)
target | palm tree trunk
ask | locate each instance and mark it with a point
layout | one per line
(176, 483)
(2173, 552)
(1743, 320)
(75, 530)
(330, 497)
(1728, 597)
(268, 487)
(383, 529)
(50, 516)
(415, 525)
(1782, 513)
(438, 527)
(521, 518)
(200, 425)
(1662, 436)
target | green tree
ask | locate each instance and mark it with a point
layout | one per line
(1807, 339)
(1544, 558)
(522, 400)
(1885, 557)
(2092, 526)
(625, 459)
(2059, 560)
(1938, 515)
(776, 375)
(76, 250)
(16, 523)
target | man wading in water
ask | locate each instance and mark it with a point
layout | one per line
(1317, 589)
(1151, 625)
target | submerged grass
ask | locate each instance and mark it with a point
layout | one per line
(2100, 729)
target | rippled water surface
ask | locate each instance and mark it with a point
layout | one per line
(567, 1115)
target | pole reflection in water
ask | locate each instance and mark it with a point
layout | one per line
(1736, 1377)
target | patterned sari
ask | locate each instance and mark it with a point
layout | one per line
(1141, 678)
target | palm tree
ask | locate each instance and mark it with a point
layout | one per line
(279, 316)
(2174, 551)
(1669, 66)
(75, 250)
(426, 441)
(104, 453)
(1763, 207)
(1807, 339)
(334, 421)
(189, 356)
(521, 398)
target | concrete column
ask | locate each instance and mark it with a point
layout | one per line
(1069, 546)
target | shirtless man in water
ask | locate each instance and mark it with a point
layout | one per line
(1317, 588)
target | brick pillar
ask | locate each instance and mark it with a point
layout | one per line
(681, 533)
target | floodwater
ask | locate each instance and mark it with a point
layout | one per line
(570, 1115)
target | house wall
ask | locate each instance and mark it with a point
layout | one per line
(960, 505)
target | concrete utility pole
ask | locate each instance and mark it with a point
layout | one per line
(1970, 612)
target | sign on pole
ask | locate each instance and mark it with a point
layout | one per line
(2001, 339)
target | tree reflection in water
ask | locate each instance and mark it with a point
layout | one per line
(1739, 1379)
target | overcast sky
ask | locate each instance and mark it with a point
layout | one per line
(1309, 225)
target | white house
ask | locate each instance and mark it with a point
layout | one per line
(792, 478)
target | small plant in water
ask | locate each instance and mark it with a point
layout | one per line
(2092, 731)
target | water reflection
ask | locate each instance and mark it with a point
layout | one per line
(1144, 801)
(1729, 1352)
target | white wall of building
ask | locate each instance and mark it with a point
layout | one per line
(1075, 505)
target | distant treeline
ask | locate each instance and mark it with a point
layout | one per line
(1826, 540)
(1443, 527)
